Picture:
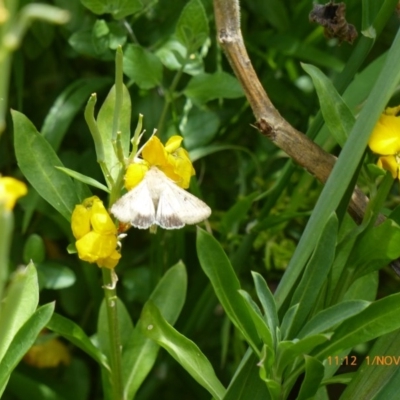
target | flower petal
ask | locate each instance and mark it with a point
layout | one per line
(111, 261)
(385, 138)
(10, 191)
(173, 143)
(94, 246)
(80, 221)
(154, 152)
(134, 174)
(101, 220)
(389, 163)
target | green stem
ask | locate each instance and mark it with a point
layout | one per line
(110, 295)
(118, 92)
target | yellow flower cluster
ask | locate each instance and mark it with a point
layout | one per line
(10, 191)
(96, 233)
(385, 140)
(171, 159)
(49, 354)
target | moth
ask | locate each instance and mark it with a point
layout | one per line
(157, 200)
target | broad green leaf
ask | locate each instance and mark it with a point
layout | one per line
(19, 303)
(67, 105)
(182, 349)
(142, 66)
(246, 383)
(118, 8)
(218, 268)
(139, 354)
(85, 179)
(262, 328)
(54, 275)
(236, 214)
(23, 340)
(313, 377)
(328, 318)
(336, 113)
(206, 87)
(192, 27)
(315, 274)
(38, 161)
(371, 378)
(267, 302)
(288, 354)
(85, 42)
(75, 334)
(34, 249)
(105, 120)
(7, 225)
(365, 288)
(377, 319)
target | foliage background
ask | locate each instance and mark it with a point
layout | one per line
(278, 37)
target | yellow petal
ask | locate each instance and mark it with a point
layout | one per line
(80, 221)
(389, 163)
(49, 354)
(134, 174)
(385, 138)
(101, 220)
(154, 152)
(94, 246)
(173, 143)
(10, 191)
(111, 261)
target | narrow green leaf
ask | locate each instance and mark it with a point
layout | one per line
(327, 319)
(336, 113)
(262, 328)
(218, 268)
(182, 349)
(313, 377)
(192, 27)
(75, 334)
(85, 179)
(19, 303)
(379, 318)
(23, 340)
(206, 87)
(7, 225)
(140, 353)
(142, 66)
(37, 161)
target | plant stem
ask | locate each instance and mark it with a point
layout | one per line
(110, 295)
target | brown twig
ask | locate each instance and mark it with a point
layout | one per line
(268, 120)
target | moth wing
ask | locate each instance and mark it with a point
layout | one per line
(136, 207)
(177, 207)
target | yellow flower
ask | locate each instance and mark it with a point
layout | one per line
(385, 140)
(49, 354)
(96, 233)
(10, 190)
(171, 159)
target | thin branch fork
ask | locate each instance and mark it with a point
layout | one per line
(295, 144)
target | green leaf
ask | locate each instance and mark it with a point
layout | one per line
(85, 179)
(372, 378)
(192, 27)
(262, 328)
(315, 275)
(327, 319)
(34, 249)
(287, 354)
(336, 113)
(75, 334)
(7, 225)
(55, 276)
(139, 354)
(218, 268)
(379, 318)
(267, 302)
(142, 66)
(182, 349)
(18, 305)
(236, 214)
(118, 8)
(246, 384)
(37, 161)
(206, 87)
(287, 320)
(313, 377)
(105, 121)
(67, 105)
(23, 340)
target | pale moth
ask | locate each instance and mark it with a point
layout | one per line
(157, 200)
